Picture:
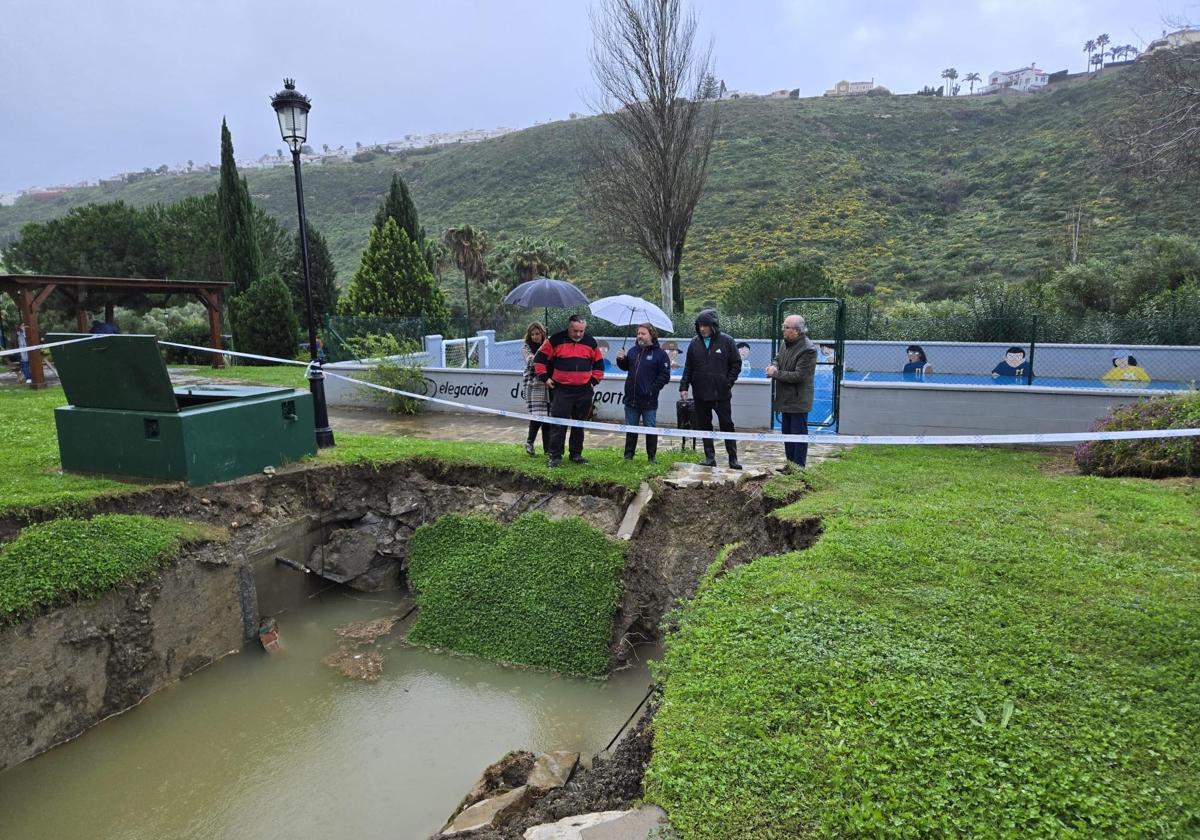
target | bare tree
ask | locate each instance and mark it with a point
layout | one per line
(646, 163)
(1160, 131)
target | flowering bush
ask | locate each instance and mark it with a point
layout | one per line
(1151, 458)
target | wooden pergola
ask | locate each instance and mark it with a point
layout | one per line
(30, 291)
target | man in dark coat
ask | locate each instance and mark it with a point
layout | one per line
(649, 369)
(793, 371)
(571, 365)
(711, 367)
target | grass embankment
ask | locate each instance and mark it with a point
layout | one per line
(536, 592)
(31, 476)
(52, 562)
(975, 647)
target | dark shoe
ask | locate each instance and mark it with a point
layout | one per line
(628, 456)
(651, 459)
(529, 448)
(555, 462)
(577, 459)
(709, 462)
(785, 470)
(734, 465)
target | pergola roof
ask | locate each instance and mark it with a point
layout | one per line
(30, 291)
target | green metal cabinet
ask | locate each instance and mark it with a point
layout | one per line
(125, 418)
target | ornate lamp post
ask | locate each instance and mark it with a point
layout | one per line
(291, 107)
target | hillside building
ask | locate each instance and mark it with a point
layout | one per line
(845, 88)
(1023, 80)
(1173, 40)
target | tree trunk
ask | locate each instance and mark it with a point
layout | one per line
(665, 282)
(676, 280)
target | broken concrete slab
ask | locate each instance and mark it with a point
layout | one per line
(490, 813)
(553, 770)
(570, 828)
(643, 823)
(633, 514)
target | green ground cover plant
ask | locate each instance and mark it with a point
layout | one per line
(979, 645)
(53, 562)
(1153, 458)
(537, 592)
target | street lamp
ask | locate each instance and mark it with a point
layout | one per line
(291, 107)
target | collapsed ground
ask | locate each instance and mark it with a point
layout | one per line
(981, 642)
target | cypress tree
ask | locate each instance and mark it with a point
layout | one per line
(240, 253)
(399, 206)
(264, 321)
(321, 272)
(393, 281)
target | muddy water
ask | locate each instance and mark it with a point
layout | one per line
(258, 746)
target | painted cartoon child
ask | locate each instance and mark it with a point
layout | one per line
(1013, 366)
(1125, 369)
(603, 347)
(917, 364)
(672, 349)
(828, 354)
(744, 351)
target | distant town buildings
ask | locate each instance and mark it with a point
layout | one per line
(845, 88)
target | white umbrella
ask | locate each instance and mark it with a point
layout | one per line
(627, 309)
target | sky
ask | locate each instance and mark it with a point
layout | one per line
(93, 88)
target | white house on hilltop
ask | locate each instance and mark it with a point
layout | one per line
(1173, 40)
(1023, 80)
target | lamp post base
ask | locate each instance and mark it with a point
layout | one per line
(316, 384)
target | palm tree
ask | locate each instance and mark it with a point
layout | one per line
(949, 74)
(1097, 61)
(972, 78)
(467, 246)
(1101, 43)
(1089, 48)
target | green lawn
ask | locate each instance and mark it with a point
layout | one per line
(30, 475)
(977, 646)
(52, 562)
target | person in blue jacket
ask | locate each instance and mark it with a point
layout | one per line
(649, 369)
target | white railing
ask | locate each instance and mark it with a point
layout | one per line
(465, 352)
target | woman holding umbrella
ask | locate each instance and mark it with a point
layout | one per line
(649, 371)
(534, 391)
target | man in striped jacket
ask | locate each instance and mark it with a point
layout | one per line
(571, 365)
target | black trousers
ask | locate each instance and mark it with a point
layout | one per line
(573, 403)
(704, 412)
(534, 426)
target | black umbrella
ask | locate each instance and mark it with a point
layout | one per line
(545, 292)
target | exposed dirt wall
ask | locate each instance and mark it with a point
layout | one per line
(71, 667)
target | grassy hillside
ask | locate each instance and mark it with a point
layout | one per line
(918, 194)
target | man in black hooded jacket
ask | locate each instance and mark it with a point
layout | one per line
(710, 368)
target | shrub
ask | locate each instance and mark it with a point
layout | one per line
(390, 372)
(264, 321)
(1151, 458)
(536, 592)
(49, 563)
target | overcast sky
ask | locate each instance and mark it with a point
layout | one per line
(92, 88)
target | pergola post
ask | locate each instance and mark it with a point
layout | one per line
(212, 302)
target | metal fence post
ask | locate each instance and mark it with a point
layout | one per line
(1032, 346)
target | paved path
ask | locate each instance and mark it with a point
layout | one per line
(467, 427)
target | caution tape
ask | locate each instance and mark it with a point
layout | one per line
(48, 345)
(315, 371)
(769, 437)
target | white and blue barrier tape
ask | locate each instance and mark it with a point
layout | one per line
(32, 347)
(759, 437)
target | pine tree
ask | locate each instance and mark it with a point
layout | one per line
(264, 321)
(393, 281)
(399, 206)
(321, 272)
(235, 215)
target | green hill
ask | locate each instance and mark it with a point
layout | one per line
(917, 194)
